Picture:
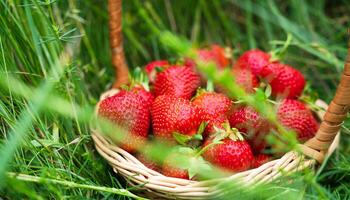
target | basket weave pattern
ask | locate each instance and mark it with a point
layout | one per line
(313, 151)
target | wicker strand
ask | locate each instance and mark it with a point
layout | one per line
(116, 42)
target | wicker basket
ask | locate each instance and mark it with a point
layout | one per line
(157, 185)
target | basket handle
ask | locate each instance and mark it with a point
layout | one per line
(335, 115)
(116, 43)
(316, 147)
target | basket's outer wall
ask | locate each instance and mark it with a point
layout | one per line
(315, 147)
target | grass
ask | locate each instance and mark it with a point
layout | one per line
(55, 61)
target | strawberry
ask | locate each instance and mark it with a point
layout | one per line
(214, 54)
(254, 60)
(178, 81)
(144, 94)
(260, 159)
(294, 115)
(229, 151)
(248, 121)
(151, 71)
(215, 107)
(129, 111)
(245, 78)
(285, 81)
(175, 115)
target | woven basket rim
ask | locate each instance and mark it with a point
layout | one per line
(160, 185)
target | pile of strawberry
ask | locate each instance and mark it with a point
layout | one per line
(205, 124)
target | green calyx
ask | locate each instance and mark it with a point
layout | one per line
(227, 132)
(192, 141)
(139, 78)
(199, 92)
(159, 69)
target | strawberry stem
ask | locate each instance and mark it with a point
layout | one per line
(210, 86)
(279, 53)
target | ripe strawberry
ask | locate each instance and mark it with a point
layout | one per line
(233, 153)
(295, 116)
(253, 59)
(129, 111)
(171, 114)
(214, 54)
(215, 106)
(248, 121)
(144, 94)
(260, 159)
(284, 80)
(245, 78)
(151, 71)
(178, 81)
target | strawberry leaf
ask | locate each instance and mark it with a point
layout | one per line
(181, 138)
(125, 87)
(202, 128)
(198, 137)
(268, 90)
(233, 137)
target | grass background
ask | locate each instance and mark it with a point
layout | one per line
(55, 61)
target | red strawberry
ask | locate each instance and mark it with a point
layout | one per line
(171, 114)
(171, 168)
(144, 94)
(150, 68)
(215, 106)
(260, 159)
(295, 116)
(253, 59)
(147, 162)
(248, 121)
(284, 80)
(245, 78)
(215, 54)
(233, 153)
(128, 110)
(178, 81)
(157, 63)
